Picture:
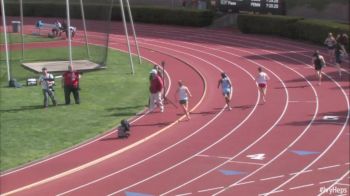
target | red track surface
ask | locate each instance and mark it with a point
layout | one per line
(208, 155)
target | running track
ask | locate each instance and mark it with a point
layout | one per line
(298, 151)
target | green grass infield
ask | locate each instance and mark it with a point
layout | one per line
(28, 132)
(17, 38)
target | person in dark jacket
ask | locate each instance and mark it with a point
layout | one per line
(318, 62)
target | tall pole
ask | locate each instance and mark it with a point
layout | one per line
(69, 35)
(84, 24)
(6, 41)
(22, 21)
(133, 30)
(109, 28)
(127, 35)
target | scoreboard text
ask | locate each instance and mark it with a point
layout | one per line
(261, 6)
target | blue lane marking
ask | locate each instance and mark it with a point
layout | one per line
(136, 194)
(304, 152)
(231, 172)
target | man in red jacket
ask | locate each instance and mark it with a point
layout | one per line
(156, 87)
(70, 83)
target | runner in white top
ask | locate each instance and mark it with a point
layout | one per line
(262, 82)
(182, 96)
(330, 42)
(47, 81)
(226, 87)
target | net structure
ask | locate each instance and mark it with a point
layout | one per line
(55, 34)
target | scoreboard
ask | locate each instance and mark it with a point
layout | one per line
(261, 6)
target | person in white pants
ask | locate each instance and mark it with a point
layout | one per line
(156, 87)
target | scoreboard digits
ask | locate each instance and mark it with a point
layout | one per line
(262, 6)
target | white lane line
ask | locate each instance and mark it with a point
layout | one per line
(328, 181)
(233, 37)
(257, 140)
(184, 194)
(267, 132)
(348, 163)
(296, 173)
(343, 184)
(268, 44)
(297, 139)
(210, 156)
(243, 183)
(335, 138)
(210, 189)
(227, 158)
(302, 186)
(334, 184)
(218, 141)
(248, 163)
(271, 178)
(277, 191)
(306, 101)
(332, 142)
(303, 172)
(310, 121)
(156, 154)
(328, 167)
(326, 149)
(203, 155)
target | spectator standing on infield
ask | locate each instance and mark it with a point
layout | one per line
(182, 96)
(343, 40)
(226, 86)
(156, 87)
(262, 82)
(330, 42)
(70, 83)
(339, 54)
(47, 81)
(318, 62)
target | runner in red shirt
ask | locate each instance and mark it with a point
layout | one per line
(71, 85)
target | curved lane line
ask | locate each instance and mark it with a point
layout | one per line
(335, 139)
(294, 70)
(330, 145)
(327, 75)
(156, 154)
(285, 109)
(296, 138)
(107, 176)
(89, 164)
(303, 170)
(213, 143)
(210, 145)
(229, 35)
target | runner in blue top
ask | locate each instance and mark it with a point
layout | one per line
(226, 87)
